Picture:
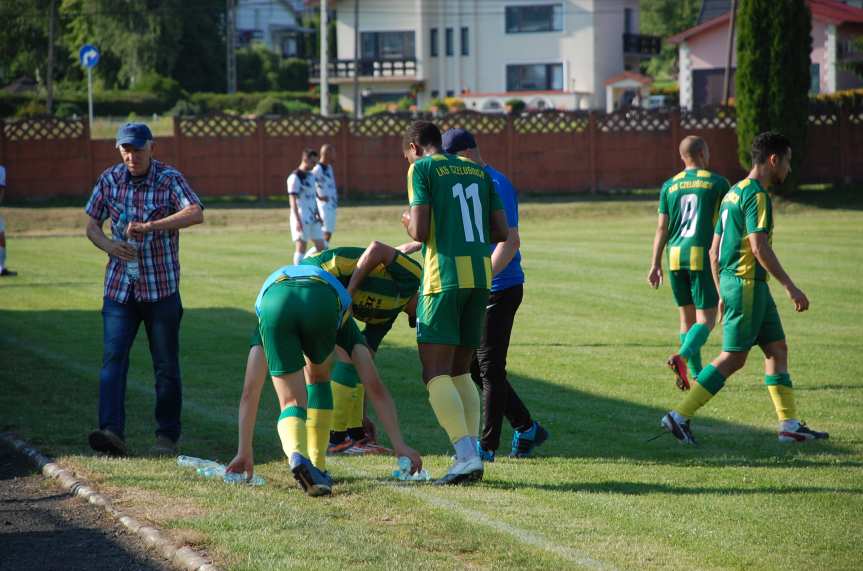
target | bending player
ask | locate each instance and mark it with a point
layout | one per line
(688, 207)
(741, 257)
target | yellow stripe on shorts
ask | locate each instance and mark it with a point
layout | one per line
(696, 258)
(674, 258)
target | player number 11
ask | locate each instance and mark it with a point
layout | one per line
(472, 192)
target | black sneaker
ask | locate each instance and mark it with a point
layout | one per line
(311, 480)
(8, 273)
(523, 443)
(680, 430)
(107, 442)
(801, 434)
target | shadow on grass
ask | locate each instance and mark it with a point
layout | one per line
(51, 394)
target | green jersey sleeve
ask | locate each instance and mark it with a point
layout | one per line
(419, 187)
(663, 196)
(757, 212)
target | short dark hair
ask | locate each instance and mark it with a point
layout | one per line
(422, 134)
(309, 152)
(769, 143)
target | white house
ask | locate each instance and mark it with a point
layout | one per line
(275, 23)
(551, 54)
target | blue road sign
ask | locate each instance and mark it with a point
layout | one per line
(88, 55)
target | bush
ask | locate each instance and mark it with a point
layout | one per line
(248, 102)
(186, 108)
(275, 106)
(67, 110)
(440, 104)
(377, 109)
(515, 106)
(260, 69)
(33, 108)
(454, 103)
(163, 87)
(846, 98)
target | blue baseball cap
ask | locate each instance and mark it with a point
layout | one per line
(135, 134)
(455, 140)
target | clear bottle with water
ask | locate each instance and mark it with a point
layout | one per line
(404, 472)
(194, 462)
(213, 470)
(131, 265)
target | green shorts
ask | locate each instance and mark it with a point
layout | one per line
(349, 336)
(297, 317)
(750, 316)
(452, 317)
(693, 288)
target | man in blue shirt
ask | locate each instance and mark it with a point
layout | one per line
(489, 364)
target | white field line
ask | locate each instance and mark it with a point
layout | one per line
(474, 517)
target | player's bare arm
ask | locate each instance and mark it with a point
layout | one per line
(256, 374)
(418, 224)
(499, 229)
(714, 269)
(116, 248)
(765, 255)
(660, 239)
(376, 254)
(295, 210)
(505, 251)
(383, 403)
(188, 216)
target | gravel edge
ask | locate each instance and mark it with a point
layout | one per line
(179, 556)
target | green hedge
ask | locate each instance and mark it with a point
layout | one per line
(248, 102)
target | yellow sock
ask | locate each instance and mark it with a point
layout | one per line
(318, 427)
(695, 399)
(783, 402)
(292, 430)
(319, 421)
(447, 406)
(343, 398)
(355, 416)
(470, 400)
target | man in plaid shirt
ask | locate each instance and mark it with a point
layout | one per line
(147, 202)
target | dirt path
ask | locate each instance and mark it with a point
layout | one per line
(43, 527)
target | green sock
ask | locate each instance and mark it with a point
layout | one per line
(691, 347)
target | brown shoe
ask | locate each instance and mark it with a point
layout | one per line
(105, 441)
(164, 446)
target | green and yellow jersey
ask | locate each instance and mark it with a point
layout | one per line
(744, 210)
(461, 197)
(381, 296)
(691, 200)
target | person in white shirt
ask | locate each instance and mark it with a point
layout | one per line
(305, 220)
(4, 271)
(327, 195)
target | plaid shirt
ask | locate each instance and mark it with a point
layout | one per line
(161, 193)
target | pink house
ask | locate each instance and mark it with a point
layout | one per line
(703, 51)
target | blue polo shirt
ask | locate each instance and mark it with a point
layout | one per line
(512, 275)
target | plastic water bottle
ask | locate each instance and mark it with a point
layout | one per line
(131, 265)
(216, 471)
(193, 462)
(404, 472)
(234, 478)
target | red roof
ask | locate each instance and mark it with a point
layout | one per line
(829, 11)
(642, 79)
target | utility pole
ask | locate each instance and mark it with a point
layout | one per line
(727, 87)
(358, 100)
(231, 42)
(50, 75)
(325, 62)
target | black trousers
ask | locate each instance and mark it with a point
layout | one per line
(488, 369)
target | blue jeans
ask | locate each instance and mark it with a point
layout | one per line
(120, 325)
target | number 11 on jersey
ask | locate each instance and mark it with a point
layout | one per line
(462, 194)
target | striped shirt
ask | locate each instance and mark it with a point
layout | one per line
(159, 194)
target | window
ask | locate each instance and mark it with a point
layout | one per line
(543, 18)
(449, 42)
(387, 45)
(433, 46)
(815, 79)
(450, 93)
(435, 93)
(465, 41)
(535, 77)
(627, 21)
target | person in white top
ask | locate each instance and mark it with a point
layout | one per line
(4, 271)
(305, 220)
(327, 195)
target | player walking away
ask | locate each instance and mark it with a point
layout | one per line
(305, 220)
(741, 257)
(4, 271)
(456, 213)
(325, 191)
(488, 369)
(688, 207)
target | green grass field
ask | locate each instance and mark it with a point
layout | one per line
(587, 356)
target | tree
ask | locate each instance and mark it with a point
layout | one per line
(665, 18)
(24, 41)
(774, 46)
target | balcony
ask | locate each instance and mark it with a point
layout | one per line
(342, 70)
(641, 45)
